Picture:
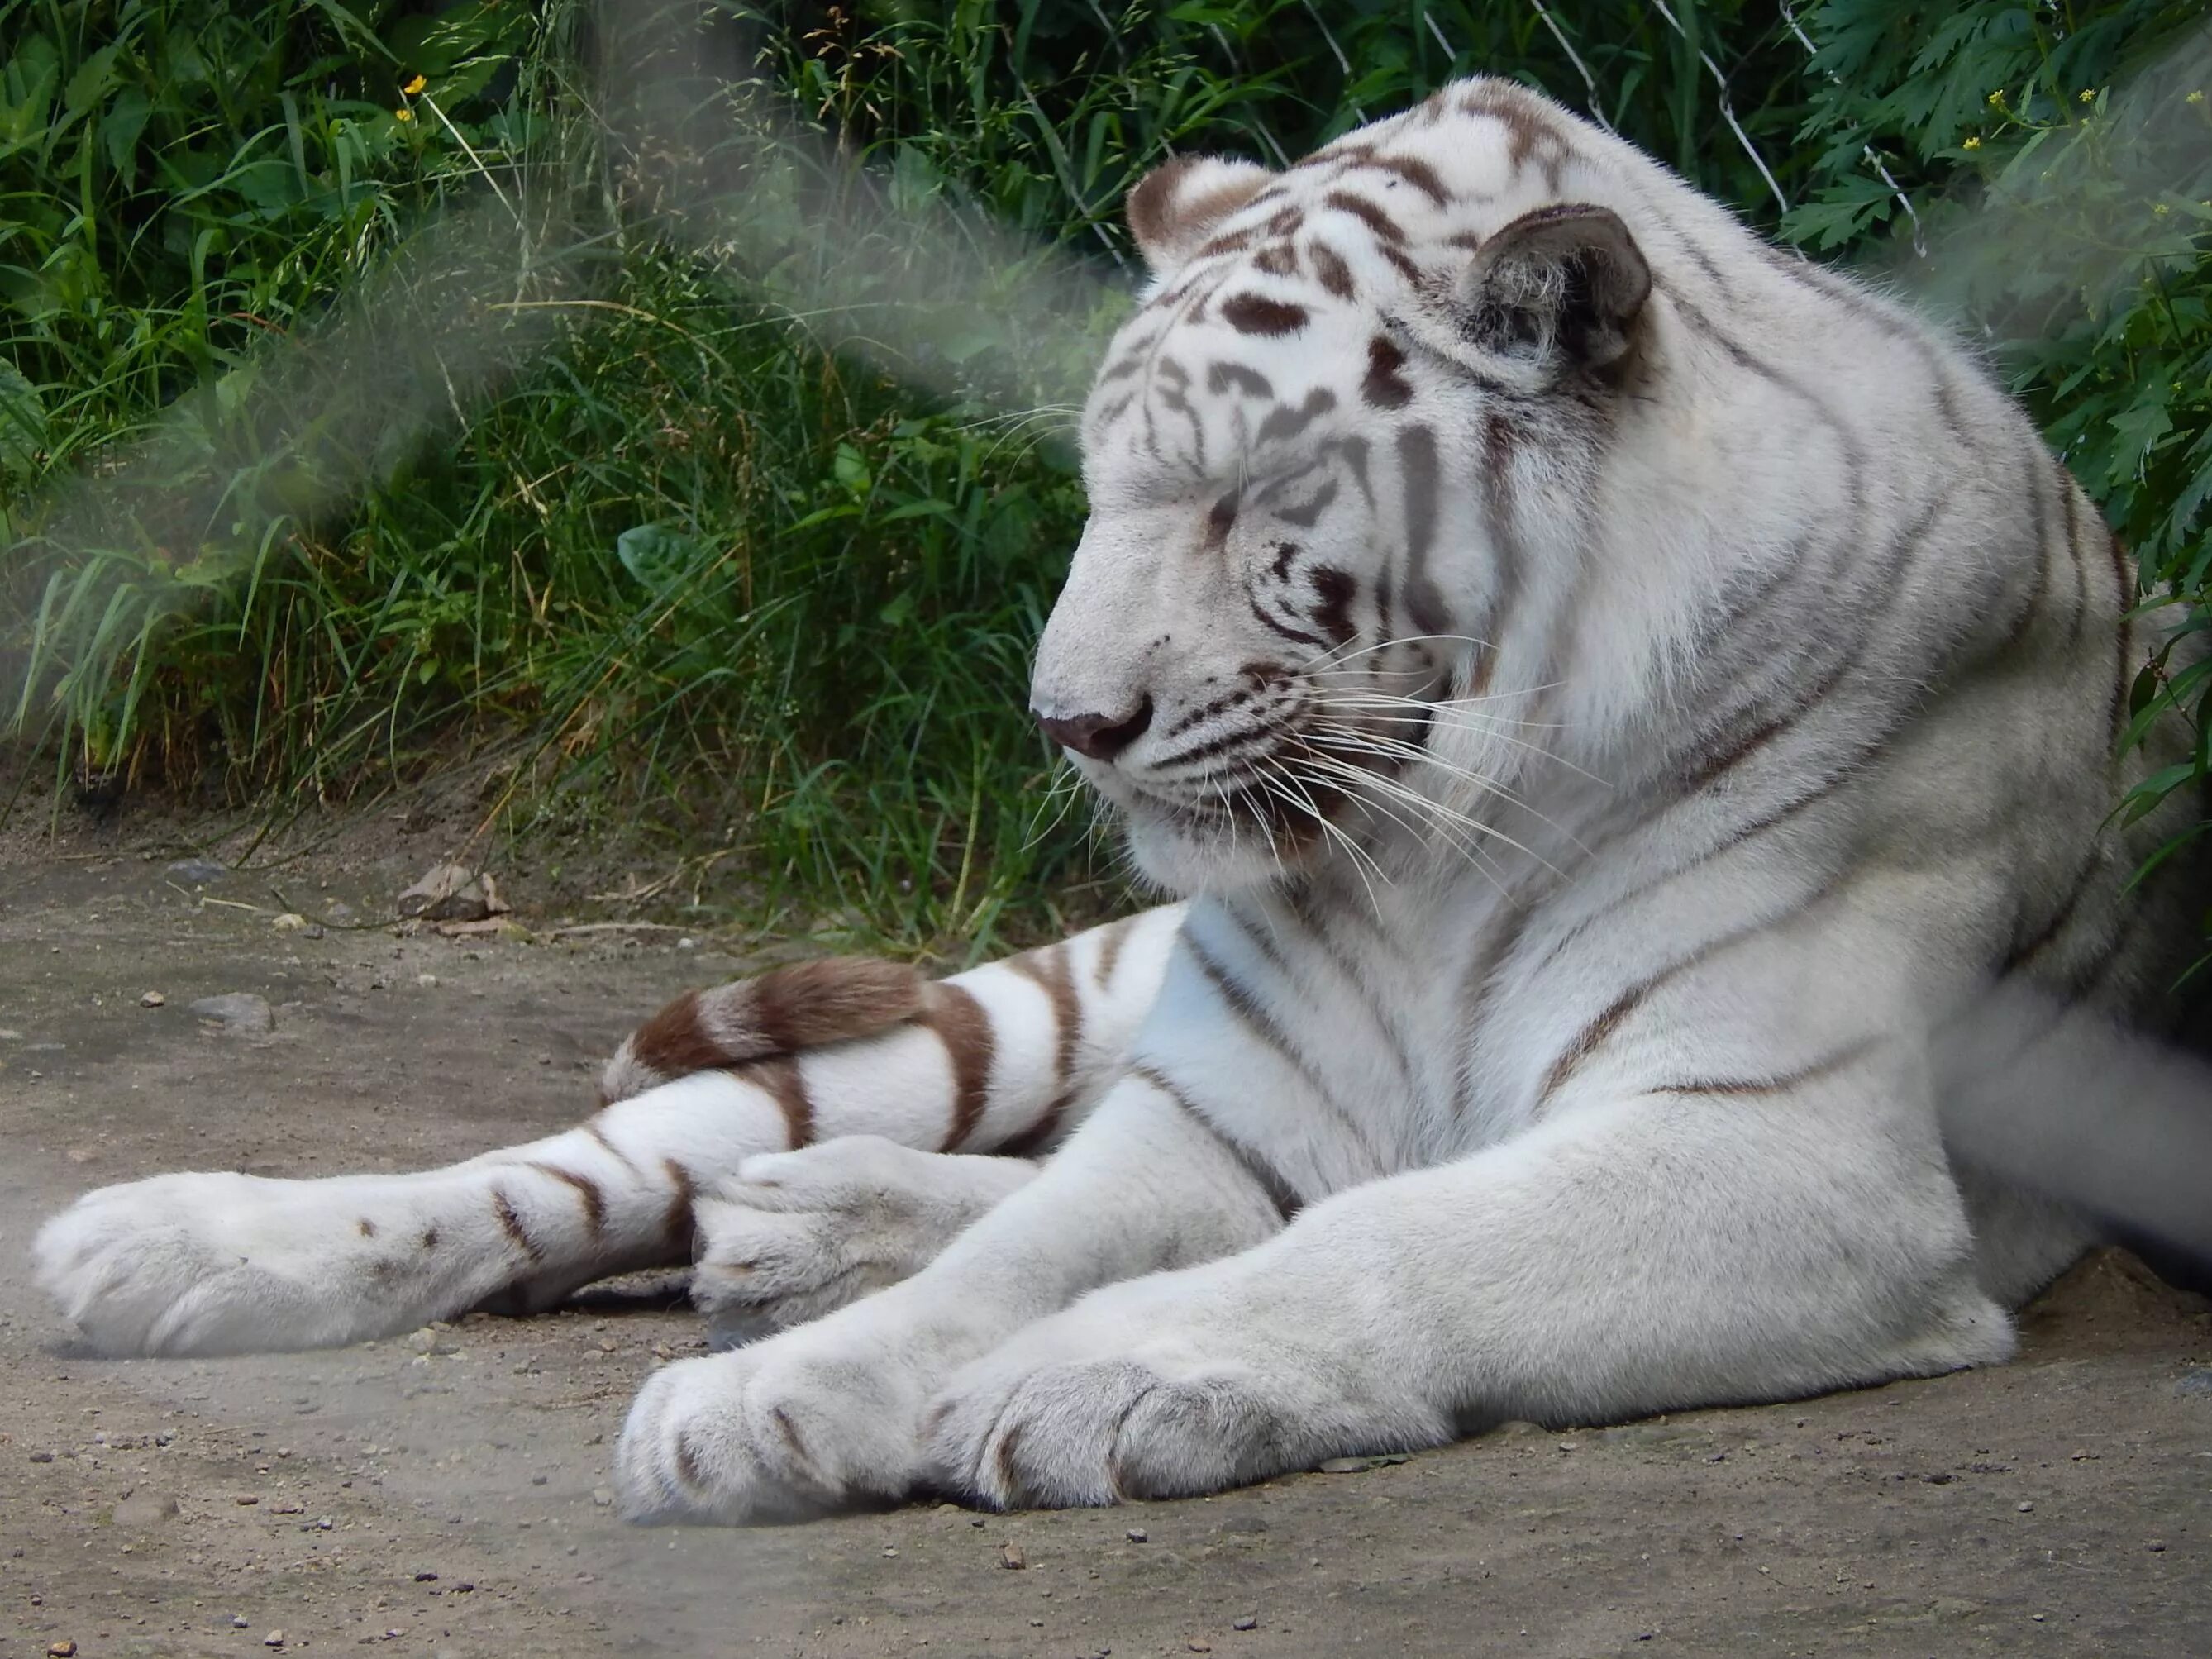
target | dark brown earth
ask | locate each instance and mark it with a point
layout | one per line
(2060, 1505)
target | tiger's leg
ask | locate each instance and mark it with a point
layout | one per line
(1655, 1254)
(1003, 1057)
(832, 1412)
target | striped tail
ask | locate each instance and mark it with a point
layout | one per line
(773, 1015)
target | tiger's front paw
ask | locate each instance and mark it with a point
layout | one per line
(772, 1432)
(1114, 1399)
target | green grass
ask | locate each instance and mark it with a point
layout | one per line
(702, 454)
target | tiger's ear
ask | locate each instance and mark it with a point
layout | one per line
(1557, 290)
(1175, 207)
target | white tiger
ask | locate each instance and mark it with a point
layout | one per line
(1612, 690)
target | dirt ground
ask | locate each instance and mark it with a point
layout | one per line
(454, 1501)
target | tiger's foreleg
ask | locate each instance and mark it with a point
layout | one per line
(1003, 1059)
(1657, 1253)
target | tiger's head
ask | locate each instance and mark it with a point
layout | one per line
(1360, 400)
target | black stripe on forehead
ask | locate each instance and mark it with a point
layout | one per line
(1254, 313)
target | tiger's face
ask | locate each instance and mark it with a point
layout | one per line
(1301, 455)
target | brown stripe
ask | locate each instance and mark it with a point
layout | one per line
(592, 1129)
(1335, 275)
(677, 1225)
(962, 1026)
(1111, 938)
(1254, 313)
(787, 1084)
(1270, 1180)
(511, 1225)
(807, 1004)
(594, 1200)
(674, 1043)
(2027, 951)
(1049, 968)
(1769, 1085)
(1367, 213)
(1593, 1036)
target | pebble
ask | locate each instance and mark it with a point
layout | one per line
(198, 871)
(152, 1000)
(63, 1649)
(2194, 1382)
(1012, 1556)
(1197, 1646)
(2024, 1506)
(290, 922)
(239, 1012)
(1357, 1465)
(2156, 1546)
(239, 1621)
(274, 1639)
(1249, 1621)
(42, 1457)
(602, 1497)
(1137, 1535)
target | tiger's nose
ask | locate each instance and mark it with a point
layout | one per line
(1097, 736)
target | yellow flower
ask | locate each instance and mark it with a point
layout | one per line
(2195, 97)
(415, 86)
(1996, 99)
(2089, 94)
(2160, 209)
(402, 115)
(1973, 144)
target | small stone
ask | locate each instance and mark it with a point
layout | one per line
(453, 892)
(290, 1506)
(2156, 1546)
(198, 872)
(537, 1480)
(2024, 1506)
(239, 1012)
(426, 981)
(977, 1522)
(246, 1500)
(291, 922)
(42, 1457)
(152, 999)
(602, 1497)
(239, 1621)
(1359, 1465)
(143, 1510)
(890, 1552)
(1012, 1556)
(426, 1577)
(2197, 1382)
(1249, 1621)
(1197, 1646)
(687, 944)
(1137, 1535)
(65, 1649)
(274, 1639)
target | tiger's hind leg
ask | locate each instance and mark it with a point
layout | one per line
(1003, 1059)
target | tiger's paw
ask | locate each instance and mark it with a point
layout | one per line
(197, 1264)
(798, 1235)
(1115, 1400)
(772, 1432)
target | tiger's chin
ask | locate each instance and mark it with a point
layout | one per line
(1187, 857)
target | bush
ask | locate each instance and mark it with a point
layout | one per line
(747, 496)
